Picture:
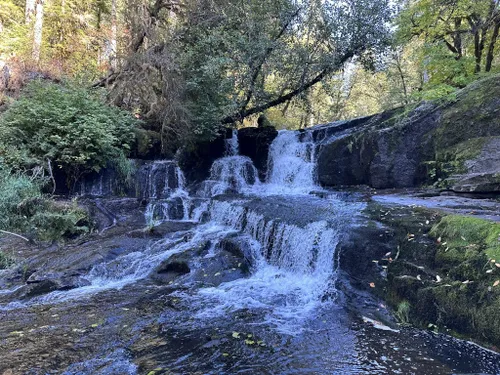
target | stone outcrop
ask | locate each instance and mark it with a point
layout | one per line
(454, 146)
(255, 143)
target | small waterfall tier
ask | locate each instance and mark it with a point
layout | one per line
(163, 184)
(231, 174)
(292, 163)
(232, 145)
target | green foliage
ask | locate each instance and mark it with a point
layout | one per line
(68, 125)
(24, 209)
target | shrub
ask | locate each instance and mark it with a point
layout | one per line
(24, 209)
(71, 126)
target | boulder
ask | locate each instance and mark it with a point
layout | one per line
(255, 143)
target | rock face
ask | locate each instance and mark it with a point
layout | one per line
(455, 145)
(197, 160)
(255, 143)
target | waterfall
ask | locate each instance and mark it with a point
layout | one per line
(232, 145)
(165, 187)
(232, 173)
(292, 163)
(292, 242)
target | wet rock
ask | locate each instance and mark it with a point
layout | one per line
(382, 155)
(255, 143)
(197, 160)
(162, 229)
(455, 146)
(170, 269)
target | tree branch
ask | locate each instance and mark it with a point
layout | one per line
(257, 69)
(242, 114)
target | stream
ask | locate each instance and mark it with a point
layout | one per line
(246, 280)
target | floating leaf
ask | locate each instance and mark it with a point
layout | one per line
(225, 354)
(217, 274)
(249, 342)
(236, 335)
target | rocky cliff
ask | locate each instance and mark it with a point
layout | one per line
(453, 145)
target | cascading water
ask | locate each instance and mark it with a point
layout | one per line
(258, 290)
(165, 189)
(232, 173)
(232, 144)
(292, 163)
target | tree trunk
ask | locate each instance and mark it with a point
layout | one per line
(114, 36)
(491, 48)
(38, 29)
(29, 12)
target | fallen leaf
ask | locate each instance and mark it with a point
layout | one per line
(489, 271)
(372, 285)
(419, 278)
(438, 278)
(389, 253)
(439, 240)
(496, 283)
(497, 264)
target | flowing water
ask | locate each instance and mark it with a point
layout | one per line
(262, 293)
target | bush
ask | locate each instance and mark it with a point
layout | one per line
(23, 209)
(71, 126)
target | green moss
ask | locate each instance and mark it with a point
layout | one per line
(474, 114)
(5, 260)
(452, 159)
(465, 237)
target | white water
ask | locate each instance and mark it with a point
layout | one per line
(231, 174)
(292, 164)
(294, 267)
(169, 200)
(232, 144)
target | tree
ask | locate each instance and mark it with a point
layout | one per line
(38, 30)
(196, 65)
(466, 28)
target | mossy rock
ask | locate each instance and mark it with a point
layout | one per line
(466, 236)
(474, 114)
